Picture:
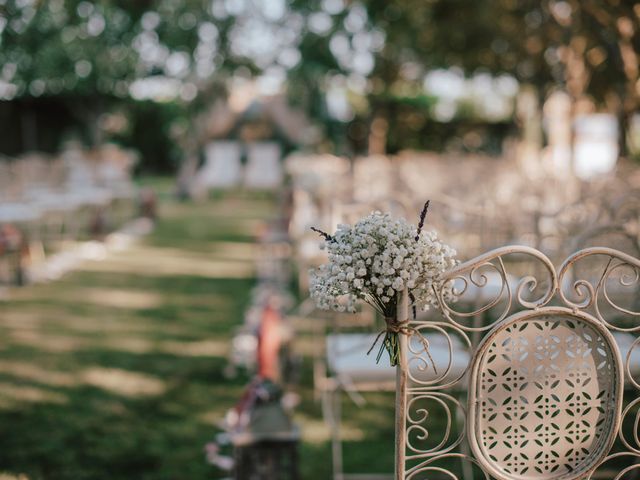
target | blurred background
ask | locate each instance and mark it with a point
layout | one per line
(161, 162)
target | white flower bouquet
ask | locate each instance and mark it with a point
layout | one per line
(374, 261)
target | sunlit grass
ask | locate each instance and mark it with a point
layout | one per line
(116, 370)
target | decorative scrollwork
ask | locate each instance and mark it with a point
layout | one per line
(635, 448)
(495, 287)
(577, 356)
(588, 293)
(618, 457)
(430, 466)
(447, 361)
(631, 362)
(419, 436)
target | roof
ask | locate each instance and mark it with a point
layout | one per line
(288, 123)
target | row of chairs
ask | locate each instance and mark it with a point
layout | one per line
(48, 200)
(477, 204)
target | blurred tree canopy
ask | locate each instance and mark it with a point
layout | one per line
(356, 67)
(588, 48)
(85, 58)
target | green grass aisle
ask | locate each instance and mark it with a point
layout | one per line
(115, 372)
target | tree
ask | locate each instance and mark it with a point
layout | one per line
(589, 48)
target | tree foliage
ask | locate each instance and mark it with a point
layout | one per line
(91, 55)
(588, 48)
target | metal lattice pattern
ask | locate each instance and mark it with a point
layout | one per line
(546, 395)
(542, 396)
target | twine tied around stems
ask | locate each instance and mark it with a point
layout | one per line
(391, 331)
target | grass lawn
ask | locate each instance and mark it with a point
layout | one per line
(115, 371)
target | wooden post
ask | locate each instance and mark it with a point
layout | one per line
(401, 387)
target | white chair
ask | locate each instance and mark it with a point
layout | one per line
(222, 167)
(263, 169)
(354, 372)
(545, 385)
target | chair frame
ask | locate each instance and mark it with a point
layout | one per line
(564, 293)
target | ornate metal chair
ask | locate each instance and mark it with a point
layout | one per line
(545, 385)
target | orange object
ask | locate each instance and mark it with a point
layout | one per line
(269, 342)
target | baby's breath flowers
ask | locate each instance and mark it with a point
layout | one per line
(374, 261)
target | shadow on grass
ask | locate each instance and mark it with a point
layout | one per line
(117, 374)
(67, 413)
(95, 434)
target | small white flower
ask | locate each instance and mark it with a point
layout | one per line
(386, 250)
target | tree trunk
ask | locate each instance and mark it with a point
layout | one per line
(94, 122)
(29, 124)
(378, 131)
(623, 125)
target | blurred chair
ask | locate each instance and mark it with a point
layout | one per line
(350, 370)
(52, 200)
(222, 167)
(263, 169)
